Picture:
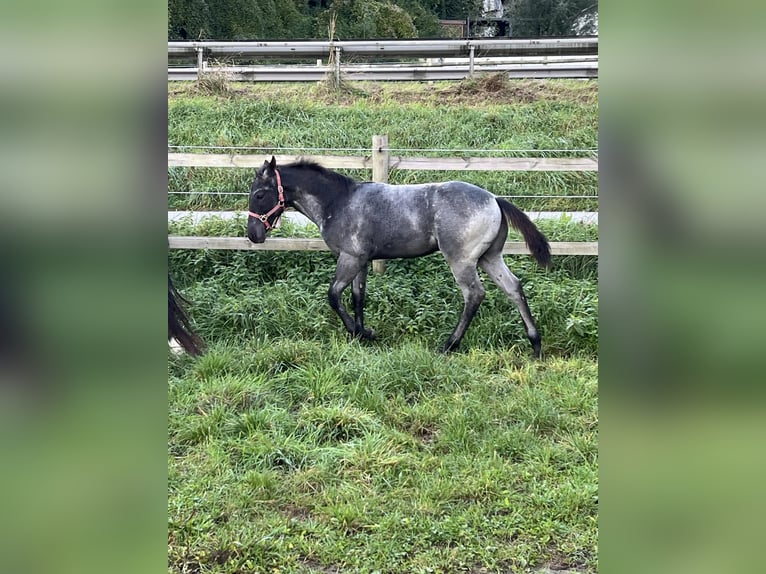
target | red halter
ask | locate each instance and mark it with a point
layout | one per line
(279, 206)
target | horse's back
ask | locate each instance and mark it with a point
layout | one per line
(389, 221)
(386, 221)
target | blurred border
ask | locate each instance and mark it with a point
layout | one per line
(83, 399)
(84, 263)
(681, 286)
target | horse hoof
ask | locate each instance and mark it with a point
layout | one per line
(365, 334)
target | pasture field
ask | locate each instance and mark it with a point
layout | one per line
(484, 114)
(294, 450)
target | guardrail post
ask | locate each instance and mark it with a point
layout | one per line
(471, 53)
(337, 65)
(380, 164)
(200, 61)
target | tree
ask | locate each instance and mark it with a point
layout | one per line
(366, 19)
(238, 19)
(535, 18)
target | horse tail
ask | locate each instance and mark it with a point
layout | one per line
(533, 237)
(179, 326)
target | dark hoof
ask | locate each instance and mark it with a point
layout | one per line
(364, 334)
(449, 348)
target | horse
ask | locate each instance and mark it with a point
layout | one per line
(364, 221)
(179, 326)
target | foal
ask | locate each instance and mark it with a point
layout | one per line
(360, 222)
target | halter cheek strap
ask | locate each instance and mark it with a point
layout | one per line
(279, 207)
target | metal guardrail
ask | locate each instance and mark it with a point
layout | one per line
(389, 73)
(554, 59)
(580, 45)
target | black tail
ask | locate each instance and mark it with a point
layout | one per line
(179, 326)
(535, 240)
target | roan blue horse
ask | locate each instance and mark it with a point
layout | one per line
(360, 222)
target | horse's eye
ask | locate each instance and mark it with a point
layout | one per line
(259, 195)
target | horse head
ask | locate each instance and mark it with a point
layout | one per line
(267, 202)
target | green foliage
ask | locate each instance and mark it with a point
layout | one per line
(459, 9)
(272, 19)
(534, 18)
(237, 19)
(367, 19)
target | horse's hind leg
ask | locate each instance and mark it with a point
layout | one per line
(349, 267)
(358, 288)
(498, 271)
(473, 294)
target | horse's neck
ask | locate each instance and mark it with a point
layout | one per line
(308, 202)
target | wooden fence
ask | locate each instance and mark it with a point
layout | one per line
(380, 161)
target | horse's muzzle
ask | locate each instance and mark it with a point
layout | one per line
(256, 231)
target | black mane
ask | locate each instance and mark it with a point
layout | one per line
(333, 177)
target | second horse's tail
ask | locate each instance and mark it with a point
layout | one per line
(533, 237)
(179, 326)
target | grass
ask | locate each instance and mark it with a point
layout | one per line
(294, 450)
(523, 115)
(298, 455)
(247, 295)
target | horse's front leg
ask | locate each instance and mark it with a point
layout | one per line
(358, 289)
(349, 267)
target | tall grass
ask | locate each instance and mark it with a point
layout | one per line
(244, 295)
(299, 119)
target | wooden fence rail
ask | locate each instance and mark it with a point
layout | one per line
(300, 244)
(393, 162)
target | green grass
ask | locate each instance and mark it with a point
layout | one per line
(299, 455)
(557, 117)
(244, 295)
(294, 450)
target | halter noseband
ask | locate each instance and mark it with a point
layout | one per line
(279, 206)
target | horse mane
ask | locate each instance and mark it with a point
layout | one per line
(343, 181)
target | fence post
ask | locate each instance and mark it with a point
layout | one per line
(379, 174)
(471, 60)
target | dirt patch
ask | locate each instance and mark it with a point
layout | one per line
(294, 512)
(316, 566)
(558, 563)
(426, 435)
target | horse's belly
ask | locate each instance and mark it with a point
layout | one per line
(388, 247)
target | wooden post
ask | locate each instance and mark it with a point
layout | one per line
(379, 174)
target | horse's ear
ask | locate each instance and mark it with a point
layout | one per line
(269, 168)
